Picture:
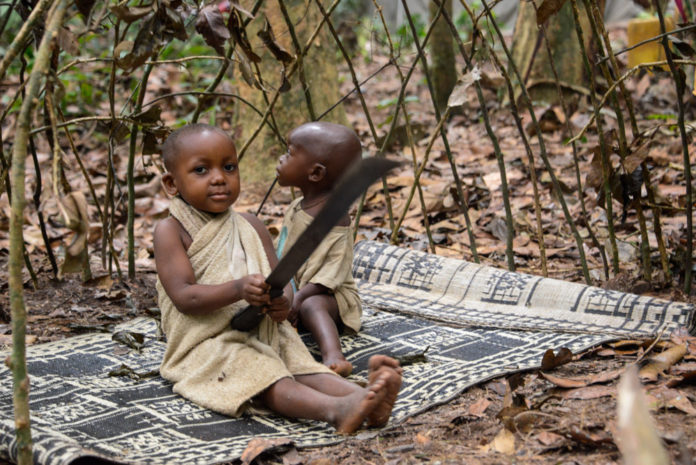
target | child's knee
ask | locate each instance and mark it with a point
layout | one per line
(312, 307)
(320, 309)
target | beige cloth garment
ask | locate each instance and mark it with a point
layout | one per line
(210, 363)
(330, 265)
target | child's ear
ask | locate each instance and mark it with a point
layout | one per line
(169, 184)
(317, 173)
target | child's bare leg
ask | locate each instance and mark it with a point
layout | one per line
(378, 366)
(319, 314)
(329, 384)
(346, 413)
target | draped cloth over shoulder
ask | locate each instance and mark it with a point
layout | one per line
(330, 264)
(210, 363)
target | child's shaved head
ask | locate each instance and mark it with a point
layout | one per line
(170, 148)
(333, 145)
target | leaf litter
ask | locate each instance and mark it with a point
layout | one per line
(566, 412)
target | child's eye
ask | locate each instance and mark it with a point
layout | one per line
(230, 167)
(200, 170)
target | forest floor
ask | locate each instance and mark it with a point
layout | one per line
(568, 415)
(522, 418)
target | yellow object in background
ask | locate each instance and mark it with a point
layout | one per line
(640, 29)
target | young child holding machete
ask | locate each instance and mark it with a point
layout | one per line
(326, 300)
(211, 263)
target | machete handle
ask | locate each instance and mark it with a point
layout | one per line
(249, 317)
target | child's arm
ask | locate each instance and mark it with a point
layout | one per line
(279, 307)
(177, 277)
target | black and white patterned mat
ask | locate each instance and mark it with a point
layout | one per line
(476, 322)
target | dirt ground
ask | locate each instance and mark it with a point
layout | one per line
(521, 419)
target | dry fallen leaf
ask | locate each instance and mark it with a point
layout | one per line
(104, 281)
(74, 210)
(589, 392)
(292, 457)
(6, 339)
(548, 438)
(550, 360)
(596, 378)
(605, 376)
(258, 446)
(423, 439)
(661, 362)
(587, 437)
(665, 397)
(685, 373)
(477, 408)
(564, 382)
(504, 442)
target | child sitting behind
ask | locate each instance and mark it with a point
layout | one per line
(211, 263)
(327, 299)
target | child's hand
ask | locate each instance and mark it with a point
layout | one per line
(294, 314)
(278, 308)
(254, 289)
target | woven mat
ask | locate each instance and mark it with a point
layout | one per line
(476, 322)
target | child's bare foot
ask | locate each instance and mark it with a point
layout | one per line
(378, 366)
(378, 361)
(354, 408)
(340, 367)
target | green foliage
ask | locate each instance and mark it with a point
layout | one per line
(404, 37)
(367, 35)
(194, 46)
(662, 116)
(385, 103)
(12, 27)
(464, 23)
(390, 102)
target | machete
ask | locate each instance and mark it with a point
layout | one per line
(348, 188)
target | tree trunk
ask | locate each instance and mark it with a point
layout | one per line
(304, 101)
(441, 47)
(529, 52)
